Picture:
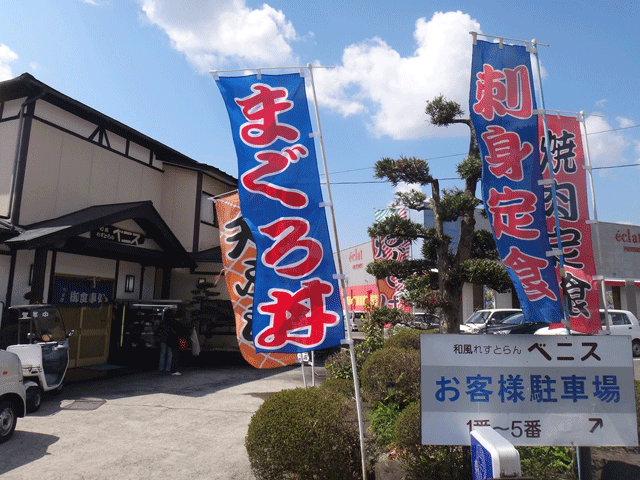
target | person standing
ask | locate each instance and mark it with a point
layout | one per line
(176, 334)
(165, 333)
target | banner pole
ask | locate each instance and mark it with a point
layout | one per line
(583, 122)
(349, 340)
(547, 141)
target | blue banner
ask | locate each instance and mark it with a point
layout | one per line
(501, 105)
(81, 292)
(296, 305)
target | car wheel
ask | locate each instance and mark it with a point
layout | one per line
(635, 348)
(34, 399)
(8, 420)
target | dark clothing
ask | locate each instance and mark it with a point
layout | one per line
(164, 332)
(169, 336)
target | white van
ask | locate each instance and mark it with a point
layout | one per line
(621, 322)
(13, 397)
(486, 317)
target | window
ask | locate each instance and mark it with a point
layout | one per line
(208, 210)
(129, 283)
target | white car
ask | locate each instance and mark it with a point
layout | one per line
(621, 322)
(486, 317)
(13, 402)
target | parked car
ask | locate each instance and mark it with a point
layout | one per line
(356, 321)
(486, 317)
(13, 396)
(621, 322)
(514, 324)
(425, 321)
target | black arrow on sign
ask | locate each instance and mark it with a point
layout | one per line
(598, 423)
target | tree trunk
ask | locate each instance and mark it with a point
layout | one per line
(452, 309)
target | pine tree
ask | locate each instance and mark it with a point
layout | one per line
(436, 280)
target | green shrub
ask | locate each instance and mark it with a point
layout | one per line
(405, 338)
(546, 463)
(392, 375)
(338, 365)
(343, 386)
(304, 434)
(382, 419)
(435, 462)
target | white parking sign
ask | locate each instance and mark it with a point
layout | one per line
(550, 390)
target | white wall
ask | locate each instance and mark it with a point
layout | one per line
(24, 260)
(65, 173)
(178, 203)
(8, 139)
(148, 289)
(5, 264)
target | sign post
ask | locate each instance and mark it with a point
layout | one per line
(533, 390)
(492, 456)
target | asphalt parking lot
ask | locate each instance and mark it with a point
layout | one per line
(147, 425)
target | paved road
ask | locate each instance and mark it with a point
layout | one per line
(146, 426)
(149, 425)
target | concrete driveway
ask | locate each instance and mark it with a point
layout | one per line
(146, 425)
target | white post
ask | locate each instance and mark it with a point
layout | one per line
(349, 340)
(601, 280)
(547, 141)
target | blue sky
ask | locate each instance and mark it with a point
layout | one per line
(145, 63)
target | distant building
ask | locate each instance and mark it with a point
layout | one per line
(620, 267)
(361, 287)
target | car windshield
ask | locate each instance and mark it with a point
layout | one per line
(478, 317)
(515, 319)
(49, 326)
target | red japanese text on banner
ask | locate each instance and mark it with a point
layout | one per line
(502, 105)
(297, 305)
(573, 212)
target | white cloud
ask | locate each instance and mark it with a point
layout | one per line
(212, 34)
(376, 79)
(6, 57)
(404, 187)
(625, 122)
(606, 148)
(601, 103)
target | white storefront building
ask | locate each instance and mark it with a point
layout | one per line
(95, 215)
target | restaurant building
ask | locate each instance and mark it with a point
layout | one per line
(95, 216)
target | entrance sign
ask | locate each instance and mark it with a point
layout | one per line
(532, 389)
(115, 234)
(297, 304)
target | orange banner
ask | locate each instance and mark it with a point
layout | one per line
(239, 260)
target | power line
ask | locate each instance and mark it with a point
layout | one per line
(458, 154)
(616, 166)
(426, 159)
(612, 130)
